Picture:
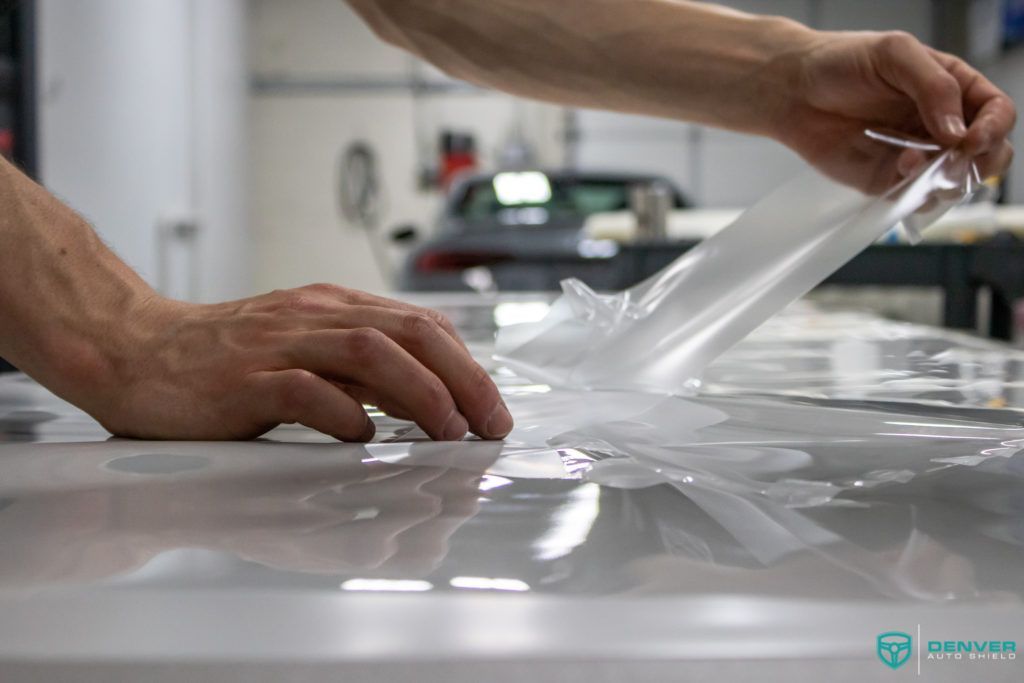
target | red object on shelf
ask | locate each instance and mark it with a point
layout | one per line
(458, 154)
(454, 164)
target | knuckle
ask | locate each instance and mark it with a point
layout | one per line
(479, 379)
(941, 85)
(294, 392)
(325, 288)
(441, 320)
(365, 344)
(895, 42)
(437, 393)
(482, 389)
(293, 299)
(419, 326)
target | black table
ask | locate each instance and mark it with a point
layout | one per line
(960, 270)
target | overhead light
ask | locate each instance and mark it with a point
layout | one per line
(522, 187)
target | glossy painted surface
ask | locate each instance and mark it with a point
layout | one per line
(840, 476)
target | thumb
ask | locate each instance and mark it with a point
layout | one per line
(907, 65)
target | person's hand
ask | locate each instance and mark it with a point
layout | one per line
(846, 82)
(311, 355)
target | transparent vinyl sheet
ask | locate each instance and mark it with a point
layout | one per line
(661, 334)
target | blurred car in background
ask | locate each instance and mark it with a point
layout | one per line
(522, 230)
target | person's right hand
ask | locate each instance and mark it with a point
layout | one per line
(845, 82)
(311, 355)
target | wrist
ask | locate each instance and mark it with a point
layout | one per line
(88, 356)
(779, 82)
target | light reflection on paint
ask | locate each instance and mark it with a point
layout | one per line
(948, 425)
(493, 481)
(955, 437)
(392, 585)
(570, 525)
(484, 583)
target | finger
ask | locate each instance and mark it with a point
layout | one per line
(996, 162)
(908, 66)
(359, 298)
(470, 386)
(990, 127)
(369, 358)
(989, 112)
(369, 398)
(289, 396)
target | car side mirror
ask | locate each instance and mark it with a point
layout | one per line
(404, 233)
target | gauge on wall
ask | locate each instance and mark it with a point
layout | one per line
(359, 185)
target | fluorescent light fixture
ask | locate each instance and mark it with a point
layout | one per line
(525, 187)
(400, 585)
(483, 583)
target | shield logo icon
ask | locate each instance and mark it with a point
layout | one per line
(894, 648)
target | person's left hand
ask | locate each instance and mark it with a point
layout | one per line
(846, 82)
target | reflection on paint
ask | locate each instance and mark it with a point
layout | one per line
(482, 583)
(395, 585)
(570, 525)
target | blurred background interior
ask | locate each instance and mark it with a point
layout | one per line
(229, 147)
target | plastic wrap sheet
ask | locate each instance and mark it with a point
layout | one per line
(660, 334)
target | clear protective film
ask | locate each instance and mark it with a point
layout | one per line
(661, 334)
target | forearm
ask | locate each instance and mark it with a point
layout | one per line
(684, 60)
(64, 296)
(83, 324)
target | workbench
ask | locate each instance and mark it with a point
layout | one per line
(960, 271)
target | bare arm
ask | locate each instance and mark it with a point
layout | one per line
(82, 323)
(812, 90)
(693, 61)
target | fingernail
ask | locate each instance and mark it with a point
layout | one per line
(455, 428)
(499, 423)
(955, 126)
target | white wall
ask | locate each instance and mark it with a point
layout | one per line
(297, 138)
(220, 116)
(140, 119)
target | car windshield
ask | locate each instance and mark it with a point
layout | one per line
(531, 197)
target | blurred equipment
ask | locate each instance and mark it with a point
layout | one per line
(360, 196)
(651, 203)
(458, 155)
(17, 91)
(17, 84)
(359, 188)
